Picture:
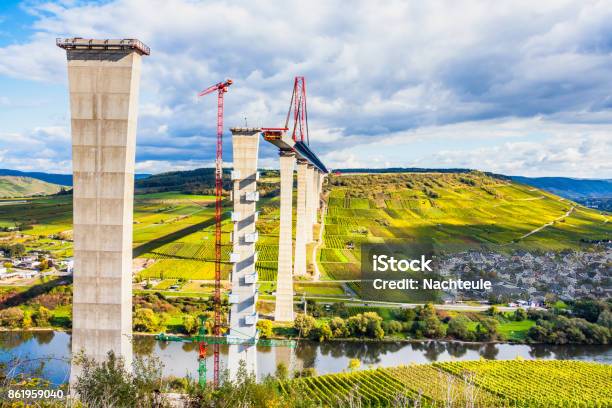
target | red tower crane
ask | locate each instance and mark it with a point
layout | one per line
(299, 132)
(202, 338)
(221, 89)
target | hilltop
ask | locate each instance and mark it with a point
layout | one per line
(15, 186)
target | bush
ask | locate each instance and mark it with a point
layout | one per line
(109, 384)
(244, 391)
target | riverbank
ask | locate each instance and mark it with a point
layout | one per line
(180, 359)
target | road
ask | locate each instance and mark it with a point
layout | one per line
(455, 306)
(567, 214)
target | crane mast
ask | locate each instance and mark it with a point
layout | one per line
(221, 89)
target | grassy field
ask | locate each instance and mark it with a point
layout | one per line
(513, 383)
(449, 213)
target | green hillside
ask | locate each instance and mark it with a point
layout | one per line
(450, 213)
(15, 186)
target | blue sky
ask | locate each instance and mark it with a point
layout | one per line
(520, 88)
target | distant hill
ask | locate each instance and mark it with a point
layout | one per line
(574, 189)
(15, 186)
(54, 178)
(198, 181)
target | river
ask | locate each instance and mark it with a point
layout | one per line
(179, 359)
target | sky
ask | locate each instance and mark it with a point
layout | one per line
(518, 88)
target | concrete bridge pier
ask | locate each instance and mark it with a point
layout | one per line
(103, 78)
(284, 283)
(301, 230)
(243, 297)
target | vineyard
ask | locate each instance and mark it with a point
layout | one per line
(450, 212)
(511, 383)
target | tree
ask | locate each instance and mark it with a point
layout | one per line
(145, 320)
(265, 328)
(486, 330)
(605, 319)
(492, 311)
(588, 309)
(11, 317)
(16, 250)
(424, 312)
(44, 265)
(354, 364)
(190, 324)
(520, 314)
(433, 328)
(325, 332)
(458, 328)
(392, 327)
(374, 325)
(26, 322)
(42, 317)
(338, 327)
(304, 324)
(357, 325)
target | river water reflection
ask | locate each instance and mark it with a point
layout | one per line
(180, 359)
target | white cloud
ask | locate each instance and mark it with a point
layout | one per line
(532, 147)
(380, 77)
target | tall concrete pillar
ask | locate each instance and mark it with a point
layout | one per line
(284, 280)
(301, 221)
(243, 297)
(103, 77)
(310, 202)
